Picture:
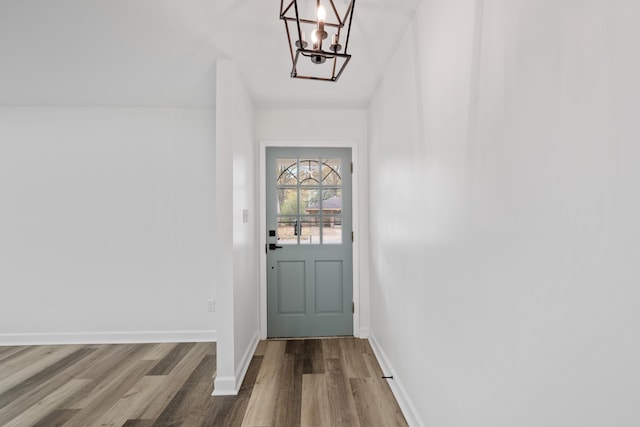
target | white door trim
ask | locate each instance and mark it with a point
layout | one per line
(262, 185)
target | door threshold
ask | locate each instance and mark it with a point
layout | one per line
(309, 338)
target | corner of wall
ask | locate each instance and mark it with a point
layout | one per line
(404, 400)
(225, 386)
(230, 386)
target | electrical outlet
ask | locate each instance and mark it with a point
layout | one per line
(211, 305)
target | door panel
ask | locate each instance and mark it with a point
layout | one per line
(291, 287)
(309, 261)
(329, 289)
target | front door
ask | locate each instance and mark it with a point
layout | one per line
(309, 243)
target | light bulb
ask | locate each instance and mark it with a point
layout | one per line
(322, 13)
(314, 37)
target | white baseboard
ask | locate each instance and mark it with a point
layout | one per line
(406, 405)
(138, 337)
(224, 386)
(230, 386)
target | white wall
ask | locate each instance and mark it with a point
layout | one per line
(312, 124)
(302, 126)
(106, 224)
(505, 198)
(237, 258)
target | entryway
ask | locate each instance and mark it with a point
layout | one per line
(309, 242)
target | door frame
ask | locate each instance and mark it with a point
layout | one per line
(355, 197)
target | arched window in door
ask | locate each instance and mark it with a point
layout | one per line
(309, 201)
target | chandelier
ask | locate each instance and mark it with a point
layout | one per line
(316, 21)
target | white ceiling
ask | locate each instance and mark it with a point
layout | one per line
(162, 53)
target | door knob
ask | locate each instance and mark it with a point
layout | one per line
(273, 247)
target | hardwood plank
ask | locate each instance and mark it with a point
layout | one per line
(331, 348)
(21, 359)
(109, 391)
(159, 351)
(294, 346)
(363, 345)
(82, 368)
(110, 361)
(221, 409)
(167, 363)
(9, 353)
(353, 362)
(8, 349)
(387, 401)
(193, 360)
(367, 411)
(188, 406)
(342, 409)
(22, 396)
(289, 396)
(138, 423)
(110, 357)
(199, 358)
(374, 406)
(230, 411)
(260, 410)
(182, 376)
(262, 346)
(47, 358)
(45, 406)
(372, 365)
(134, 401)
(313, 358)
(56, 418)
(315, 401)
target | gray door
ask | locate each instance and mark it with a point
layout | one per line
(309, 243)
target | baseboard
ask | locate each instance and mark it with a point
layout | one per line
(230, 386)
(406, 405)
(138, 337)
(224, 386)
(364, 333)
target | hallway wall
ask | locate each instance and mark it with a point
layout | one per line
(237, 248)
(505, 198)
(106, 224)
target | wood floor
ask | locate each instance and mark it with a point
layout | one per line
(313, 382)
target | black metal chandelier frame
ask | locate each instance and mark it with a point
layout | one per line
(290, 14)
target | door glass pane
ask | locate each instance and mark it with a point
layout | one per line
(310, 230)
(331, 201)
(288, 230)
(287, 172)
(332, 229)
(309, 172)
(287, 201)
(332, 172)
(309, 201)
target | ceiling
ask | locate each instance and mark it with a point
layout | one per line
(162, 53)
